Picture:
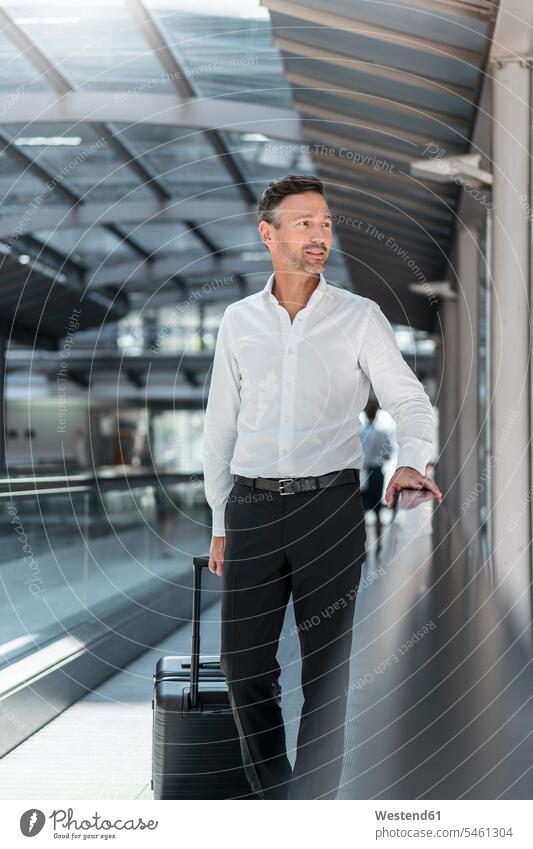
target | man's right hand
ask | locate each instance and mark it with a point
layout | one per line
(216, 555)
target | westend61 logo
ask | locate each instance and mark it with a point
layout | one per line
(33, 820)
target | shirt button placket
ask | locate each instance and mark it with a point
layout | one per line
(283, 440)
(288, 398)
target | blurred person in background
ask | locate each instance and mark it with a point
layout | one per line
(377, 448)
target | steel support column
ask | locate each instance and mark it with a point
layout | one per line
(510, 335)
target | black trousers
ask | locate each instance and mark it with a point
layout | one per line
(313, 545)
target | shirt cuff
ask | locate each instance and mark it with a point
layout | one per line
(417, 457)
(218, 524)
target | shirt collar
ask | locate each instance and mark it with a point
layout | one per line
(321, 289)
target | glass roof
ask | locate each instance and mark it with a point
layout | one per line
(122, 162)
(17, 186)
(91, 247)
(80, 158)
(184, 160)
(226, 54)
(16, 74)
(164, 238)
(106, 70)
(95, 45)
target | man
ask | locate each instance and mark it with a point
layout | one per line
(376, 449)
(291, 373)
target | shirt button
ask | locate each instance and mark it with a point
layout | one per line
(286, 418)
(287, 383)
(291, 350)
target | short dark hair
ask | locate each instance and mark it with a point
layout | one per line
(277, 190)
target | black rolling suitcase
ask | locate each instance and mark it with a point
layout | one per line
(196, 752)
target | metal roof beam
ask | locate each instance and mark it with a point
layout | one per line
(310, 132)
(63, 86)
(160, 48)
(59, 81)
(439, 212)
(161, 110)
(57, 216)
(30, 243)
(396, 182)
(28, 163)
(184, 87)
(375, 69)
(48, 178)
(186, 265)
(388, 213)
(426, 249)
(314, 84)
(126, 154)
(383, 183)
(36, 55)
(479, 11)
(129, 241)
(207, 242)
(377, 252)
(332, 21)
(396, 132)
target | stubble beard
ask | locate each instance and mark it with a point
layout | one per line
(298, 262)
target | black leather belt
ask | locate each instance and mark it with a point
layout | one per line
(289, 486)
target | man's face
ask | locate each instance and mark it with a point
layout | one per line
(302, 240)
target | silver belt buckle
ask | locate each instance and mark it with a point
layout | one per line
(283, 481)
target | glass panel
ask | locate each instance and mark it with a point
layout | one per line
(139, 536)
(80, 159)
(173, 151)
(89, 246)
(162, 238)
(18, 187)
(67, 555)
(212, 316)
(178, 332)
(15, 66)
(44, 569)
(236, 236)
(263, 159)
(178, 440)
(95, 45)
(225, 50)
(165, 329)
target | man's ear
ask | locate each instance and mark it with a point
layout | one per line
(264, 232)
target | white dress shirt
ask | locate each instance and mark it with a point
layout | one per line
(285, 398)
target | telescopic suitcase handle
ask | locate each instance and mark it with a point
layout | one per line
(198, 563)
